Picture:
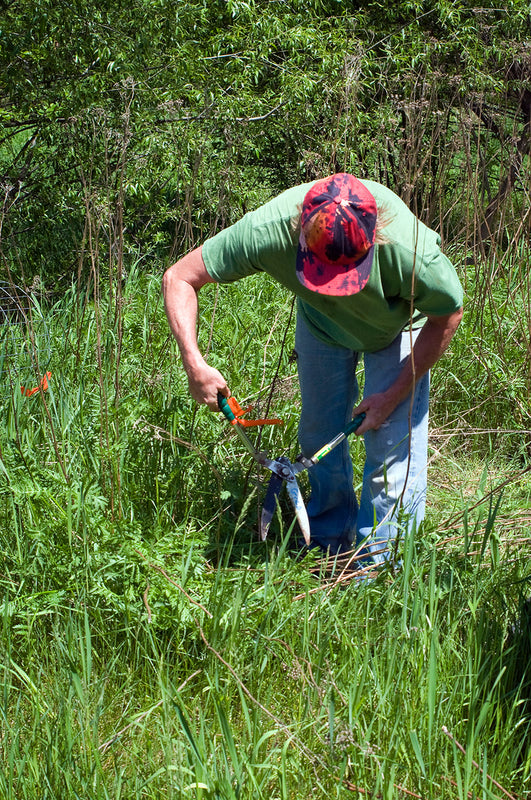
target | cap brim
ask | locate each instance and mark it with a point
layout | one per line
(338, 280)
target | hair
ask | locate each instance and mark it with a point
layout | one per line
(383, 219)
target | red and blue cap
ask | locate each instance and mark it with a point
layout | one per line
(336, 244)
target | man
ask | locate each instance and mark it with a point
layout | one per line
(370, 279)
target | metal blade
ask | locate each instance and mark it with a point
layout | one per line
(300, 509)
(270, 504)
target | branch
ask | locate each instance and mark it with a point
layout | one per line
(264, 116)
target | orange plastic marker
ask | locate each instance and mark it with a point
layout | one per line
(42, 385)
(238, 412)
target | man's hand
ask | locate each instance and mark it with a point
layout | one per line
(204, 384)
(377, 408)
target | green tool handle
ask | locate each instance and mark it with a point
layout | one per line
(224, 407)
(229, 414)
(350, 428)
(354, 424)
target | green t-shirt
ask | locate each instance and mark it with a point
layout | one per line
(408, 271)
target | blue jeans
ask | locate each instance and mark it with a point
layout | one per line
(393, 494)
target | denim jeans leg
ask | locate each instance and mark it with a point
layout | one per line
(327, 377)
(393, 496)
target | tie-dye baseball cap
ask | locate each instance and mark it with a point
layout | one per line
(336, 244)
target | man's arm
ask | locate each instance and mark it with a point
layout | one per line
(180, 285)
(431, 343)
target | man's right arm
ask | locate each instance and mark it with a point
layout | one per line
(180, 285)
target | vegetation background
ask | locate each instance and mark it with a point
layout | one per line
(150, 646)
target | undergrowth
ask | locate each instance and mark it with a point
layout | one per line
(151, 646)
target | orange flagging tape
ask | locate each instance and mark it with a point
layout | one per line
(42, 385)
(238, 412)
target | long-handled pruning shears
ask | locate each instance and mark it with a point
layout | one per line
(282, 468)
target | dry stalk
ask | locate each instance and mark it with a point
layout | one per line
(477, 766)
(173, 583)
(452, 521)
(352, 787)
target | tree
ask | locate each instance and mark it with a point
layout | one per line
(153, 123)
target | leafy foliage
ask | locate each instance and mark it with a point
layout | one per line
(150, 645)
(161, 122)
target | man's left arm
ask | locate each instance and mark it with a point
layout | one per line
(431, 343)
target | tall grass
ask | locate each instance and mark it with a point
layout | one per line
(272, 689)
(151, 646)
